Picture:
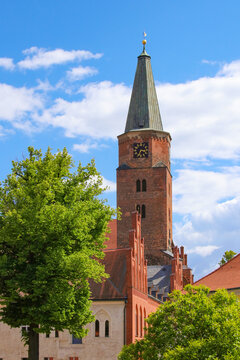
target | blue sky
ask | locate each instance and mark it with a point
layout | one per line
(66, 71)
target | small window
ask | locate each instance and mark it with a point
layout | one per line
(76, 340)
(47, 335)
(56, 334)
(24, 330)
(138, 185)
(138, 209)
(144, 185)
(21, 359)
(106, 328)
(97, 328)
(143, 211)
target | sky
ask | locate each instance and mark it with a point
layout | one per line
(66, 73)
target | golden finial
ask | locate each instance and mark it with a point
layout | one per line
(144, 40)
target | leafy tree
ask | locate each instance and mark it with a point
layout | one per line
(228, 255)
(191, 326)
(52, 231)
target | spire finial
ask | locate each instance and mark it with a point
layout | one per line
(144, 40)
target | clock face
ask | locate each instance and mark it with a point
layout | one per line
(140, 150)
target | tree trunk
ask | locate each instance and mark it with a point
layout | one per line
(33, 349)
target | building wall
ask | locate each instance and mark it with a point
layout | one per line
(61, 348)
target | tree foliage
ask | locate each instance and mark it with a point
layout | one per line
(52, 231)
(191, 326)
(228, 255)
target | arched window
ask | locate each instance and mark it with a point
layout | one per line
(106, 328)
(144, 185)
(138, 209)
(136, 320)
(141, 325)
(97, 328)
(143, 211)
(138, 185)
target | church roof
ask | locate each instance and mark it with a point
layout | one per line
(226, 276)
(144, 110)
(115, 287)
(159, 278)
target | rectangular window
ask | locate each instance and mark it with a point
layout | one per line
(56, 333)
(48, 358)
(24, 329)
(76, 340)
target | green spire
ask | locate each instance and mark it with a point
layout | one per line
(144, 111)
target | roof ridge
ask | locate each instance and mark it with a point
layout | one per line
(220, 267)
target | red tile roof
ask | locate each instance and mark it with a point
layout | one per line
(115, 287)
(226, 276)
(112, 242)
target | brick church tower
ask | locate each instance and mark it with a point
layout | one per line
(144, 180)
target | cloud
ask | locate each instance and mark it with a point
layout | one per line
(202, 117)
(80, 72)
(85, 146)
(7, 63)
(203, 250)
(209, 62)
(199, 191)
(100, 114)
(110, 185)
(17, 105)
(230, 70)
(209, 205)
(39, 57)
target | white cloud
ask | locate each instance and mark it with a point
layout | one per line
(202, 117)
(199, 191)
(80, 72)
(39, 57)
(209, 203)
(203, 250)
(101, 113)
(85, 146)
(209, 62)
(18, 104)
(231, 69)
(111, 185)
(7, 63)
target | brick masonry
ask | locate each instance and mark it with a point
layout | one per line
(155, 169)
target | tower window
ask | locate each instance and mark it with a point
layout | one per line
(138, 209)
(143, 211)
(144, 185)
(97, 328)
(138, 185)
(106, 328)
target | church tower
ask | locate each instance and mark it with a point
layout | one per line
(144, 181)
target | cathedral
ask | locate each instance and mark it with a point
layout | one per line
(143, 263)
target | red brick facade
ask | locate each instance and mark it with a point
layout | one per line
(157, 199)
(139, 304)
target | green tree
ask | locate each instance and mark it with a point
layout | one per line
(228, 255)
(52, 232)
(193, 325)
